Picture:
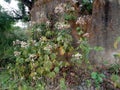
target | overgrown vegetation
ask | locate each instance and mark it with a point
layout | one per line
(46, 57)
(6, 37)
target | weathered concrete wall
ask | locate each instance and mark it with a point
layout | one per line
(105, 30)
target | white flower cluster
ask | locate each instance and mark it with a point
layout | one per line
(80, 21)
(83, 19)
(33, 42)
(55, 46)
(38, 29)
(17, 42)
(75, 1)
(43, 38)
(33, 57)
(17, 53)
(62, 25)
(49, 47)
(60, 8)
(22, 43)
(70, 9)
(77, 56)
(48, 23)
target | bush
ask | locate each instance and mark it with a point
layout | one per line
(45, 57)
(6, 45)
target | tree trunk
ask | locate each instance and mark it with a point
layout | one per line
(105, 30)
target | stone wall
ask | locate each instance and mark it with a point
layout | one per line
(105, 30)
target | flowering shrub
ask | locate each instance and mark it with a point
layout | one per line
(46, 56)
(49, 50)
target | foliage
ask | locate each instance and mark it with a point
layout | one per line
(69, 17)
(6, 46)
(87, 6)
(6, 20)
(62, 84)
(84, 46)
(47, 55)
(114, 68)
(22, 13)
(116, 80)
(44, 56)
(7, 36)
(11, 84)
(98, 78)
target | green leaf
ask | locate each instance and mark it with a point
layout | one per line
(46, 57)
(78, 28)
(102, 75)
(53, 56)
(40, 71)
(98, 48)
(57, 69)
(115, 77)
(94, 75)
(62, 84)
(100, 79)
(51, 74)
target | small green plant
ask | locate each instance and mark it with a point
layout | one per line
(62, 84)
(98, 78)
(115, 68)
(79, 30)
(116, 79)
(85, 49)
(9, 83)
(87, 6)
(98, 48)
(69, 17)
